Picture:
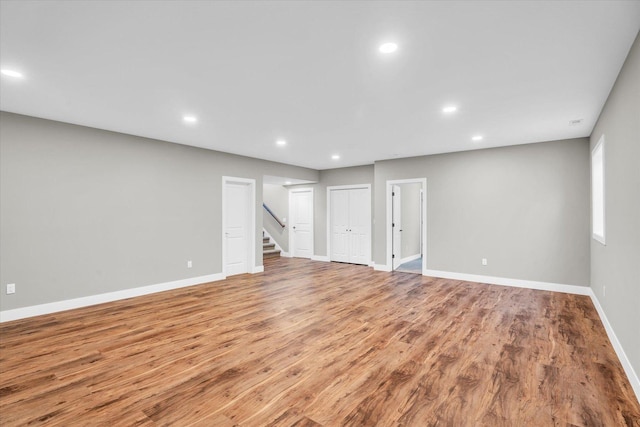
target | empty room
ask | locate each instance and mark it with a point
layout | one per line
(319, 213)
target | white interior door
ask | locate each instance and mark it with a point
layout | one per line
(339, 225)
(237, 231)
(396, 219)
(359, 225)
(301, 221)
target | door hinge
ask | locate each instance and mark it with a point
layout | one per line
(393, 194)
(393, 224)
(393, 256)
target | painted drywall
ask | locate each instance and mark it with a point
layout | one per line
(616, 265)
(85, 211)
(410, 219)
(328, 178)
(276, 197)
(524, 208)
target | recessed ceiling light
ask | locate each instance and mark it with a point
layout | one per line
(477, 138)
(336, 157)
(287, 183)
(575, 122)
(190, 119)
(450, 109)
(388, 47)
(11, 73)
(281, 142)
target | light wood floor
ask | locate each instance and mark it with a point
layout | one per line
(318, 344)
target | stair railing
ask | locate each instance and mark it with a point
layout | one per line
(273, 215)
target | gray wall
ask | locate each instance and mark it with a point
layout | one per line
(85, 211)
(410, 219)
(524, 208)
(277, 198)
(332, 177)
(617, 265)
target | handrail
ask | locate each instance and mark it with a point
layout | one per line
(273, 215)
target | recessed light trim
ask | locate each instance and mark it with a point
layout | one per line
(335, 157)
(189, 119)
(449, 109)
(388, 47)
(477, 138)
(281, 142)
(11, 73)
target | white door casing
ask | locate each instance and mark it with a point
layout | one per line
(238, 226)
(301, 222)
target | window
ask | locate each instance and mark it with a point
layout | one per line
(597, 191)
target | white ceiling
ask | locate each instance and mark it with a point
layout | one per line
(310, 72)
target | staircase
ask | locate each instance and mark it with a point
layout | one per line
(269, 249)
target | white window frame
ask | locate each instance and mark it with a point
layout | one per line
(598, 200)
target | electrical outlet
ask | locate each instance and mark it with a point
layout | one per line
(484, 261)
(11, 288)
(189, 264)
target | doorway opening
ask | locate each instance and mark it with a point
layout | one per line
(406, 225)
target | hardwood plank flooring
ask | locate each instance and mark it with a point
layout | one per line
(318, 344)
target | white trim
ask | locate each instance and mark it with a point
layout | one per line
(372, 264)
(389, 249)
(517, 283)
(285, 254)
(322, 258)
(291, 224)
(54, 307)
(257, 269)
(251, 260)
(348, 187)
(597, 237)
(617, 346)
(382, 267)
(409, 258)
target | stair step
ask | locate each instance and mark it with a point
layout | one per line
(271, 253)
(268, 246)
(265, 240)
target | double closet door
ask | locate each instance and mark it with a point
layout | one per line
(350, 225)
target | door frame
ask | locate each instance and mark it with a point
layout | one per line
(292, 248)
(389, 245)
(251, 241)
(347, 187)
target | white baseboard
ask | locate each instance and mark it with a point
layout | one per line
(257, 269)
(381, 267)
(518, 283)
(372, 264)
(410, 258)
(285, 254)
(617, 346)
(54, 307)
(322, 258)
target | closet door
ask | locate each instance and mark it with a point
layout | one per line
(350, 224)
(359, 226)
(339, 225)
